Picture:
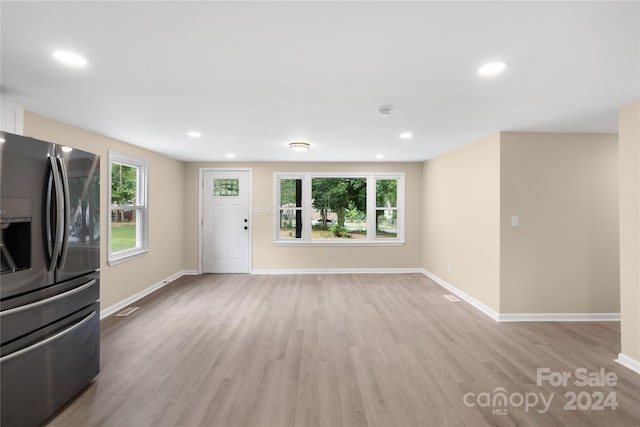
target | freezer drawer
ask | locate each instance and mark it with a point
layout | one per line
(39, 309)
(38, 379)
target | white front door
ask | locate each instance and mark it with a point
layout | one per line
(226, 227)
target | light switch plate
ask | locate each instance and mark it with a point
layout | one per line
(515, 221)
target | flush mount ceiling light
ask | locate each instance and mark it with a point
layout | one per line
(405, 135)
(69, 58)
(492, 68)
(384, 110)
(194, 134)
(299, 146)
(230, 155)
(379, 156)
(66, 149)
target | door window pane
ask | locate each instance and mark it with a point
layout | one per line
(226, 187)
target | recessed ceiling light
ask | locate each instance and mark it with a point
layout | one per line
(1, 140)
(492, 68)
(379, 156)
(230, 155)
(406, 135)
(194, 134)
(69, 58)
(66, 149)
(299, 146)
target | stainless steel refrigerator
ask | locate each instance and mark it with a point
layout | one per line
(49, 286)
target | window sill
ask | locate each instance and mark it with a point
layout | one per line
(126, 256)
(340, 243)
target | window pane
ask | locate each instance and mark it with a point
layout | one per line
(341, 202)
(386, 223)
(290, 208)
(291, 192)
(123, 230)
(290, 226)
(226, 187)
(386, 193)
(124, 184)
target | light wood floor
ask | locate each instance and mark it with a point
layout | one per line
(336, 350)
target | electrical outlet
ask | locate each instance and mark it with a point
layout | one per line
(329, 254)
(449, 267)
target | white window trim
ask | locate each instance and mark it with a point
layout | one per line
(371, 240)
(142, 204)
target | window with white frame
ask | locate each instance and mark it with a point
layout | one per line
(128, 211)
(349, 209)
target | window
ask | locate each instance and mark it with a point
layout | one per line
(226, 187)
(128, 211)
(349, 209)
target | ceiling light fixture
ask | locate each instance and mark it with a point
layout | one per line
(406, 135)
(66, 149)
(385, 110)
(492, 68)
(379, 156)
(230, 155)
(69, 58)
(194, 134)
(299, 146)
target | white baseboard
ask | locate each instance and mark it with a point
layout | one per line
(190, 272)
(143, 293)
(629, 362)
(524, 317)
(559, 317)
(464, 296)
(338, 271)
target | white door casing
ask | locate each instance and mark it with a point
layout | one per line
(226, 221)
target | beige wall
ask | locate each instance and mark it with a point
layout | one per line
(267, 256)
(165, 203)
(458, 212)
(461, 212)
(629, 131)
(563, 256)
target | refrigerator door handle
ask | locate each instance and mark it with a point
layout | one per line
(47, 215)
(53, 207)
(66, 215)
(48, 340)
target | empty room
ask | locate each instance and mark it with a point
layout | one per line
(310, 213)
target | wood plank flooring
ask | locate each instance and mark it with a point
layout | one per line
(339, 350)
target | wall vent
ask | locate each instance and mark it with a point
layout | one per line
(452, 298)
(127, 311)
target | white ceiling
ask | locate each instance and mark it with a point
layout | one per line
(252, 76)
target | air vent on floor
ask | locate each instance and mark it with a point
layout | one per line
(452, 298)
(127, 311)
